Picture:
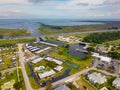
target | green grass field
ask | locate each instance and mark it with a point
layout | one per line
(61, 53)
(11, 42)
(13, 32)
(8, 84)
(13, 76)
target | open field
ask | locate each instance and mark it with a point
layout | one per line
(84, 84)
(49, 29)
(15, 41)
(13, 32)
(63, 55)
(13, 76)
(114, 42)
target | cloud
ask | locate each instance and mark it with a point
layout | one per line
(38, 1)
(13, 1)
(112, 2)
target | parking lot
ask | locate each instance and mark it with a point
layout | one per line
(113, 66)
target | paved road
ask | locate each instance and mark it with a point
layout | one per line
(62, 81)
(21, 59)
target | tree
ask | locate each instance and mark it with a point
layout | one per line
(0, 74)
(90, 49)
(114, 55)
(52, 64)
(89, 55)
(48, 86)
(17, 85)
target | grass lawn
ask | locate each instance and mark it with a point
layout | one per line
(15, 41)
(62, 54)
(34, 85)
(83, 83)
(13, 76)
(8, 85)
(13, 32)
(115, 42)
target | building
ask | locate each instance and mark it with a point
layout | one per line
(1, 61)
(116, 83)
(62, 87)
(36, 60)
(58, 68)
(68, 39)
(54, 60)
(46, 74)
(96, 78)
(43, 50)
(41, 68)
(102, 58)
(104, 88)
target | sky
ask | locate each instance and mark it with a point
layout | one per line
(73, 9)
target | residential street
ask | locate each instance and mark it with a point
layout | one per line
(21, 59)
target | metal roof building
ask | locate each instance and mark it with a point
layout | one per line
(96, 78)
(46, 74)
(62, 87)
(37, 60)
(116, 83)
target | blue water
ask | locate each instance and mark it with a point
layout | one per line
(32, 25)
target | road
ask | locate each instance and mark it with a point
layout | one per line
(62, 81)
(21, 59)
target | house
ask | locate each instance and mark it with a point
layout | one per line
(62, 87)
(43, 50)
(46, 74)
(1, 61)
(57, 61)
(104, 88)
(102, 58)
(58, 68)
(116, 83)
(96, 78)
(54, 60)
(36, 60)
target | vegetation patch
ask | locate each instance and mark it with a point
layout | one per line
(7, 43)
(102, 37)
(13, 32)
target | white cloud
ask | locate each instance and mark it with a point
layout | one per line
(13, 1)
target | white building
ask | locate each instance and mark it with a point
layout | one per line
(62, 87)
(96, 78)
(70, 39)
(1, 61)
(46, 74)
(116, 83)
(104, 88)
(42, 50)
(37, 60)
(58, 68)
(102, 58)
(54, 60)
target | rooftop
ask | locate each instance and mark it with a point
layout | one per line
(46, 74)
(62, 87)
(97, 78)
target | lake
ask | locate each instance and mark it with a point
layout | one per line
(33, 24)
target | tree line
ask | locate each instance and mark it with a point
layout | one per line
(102, 37)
